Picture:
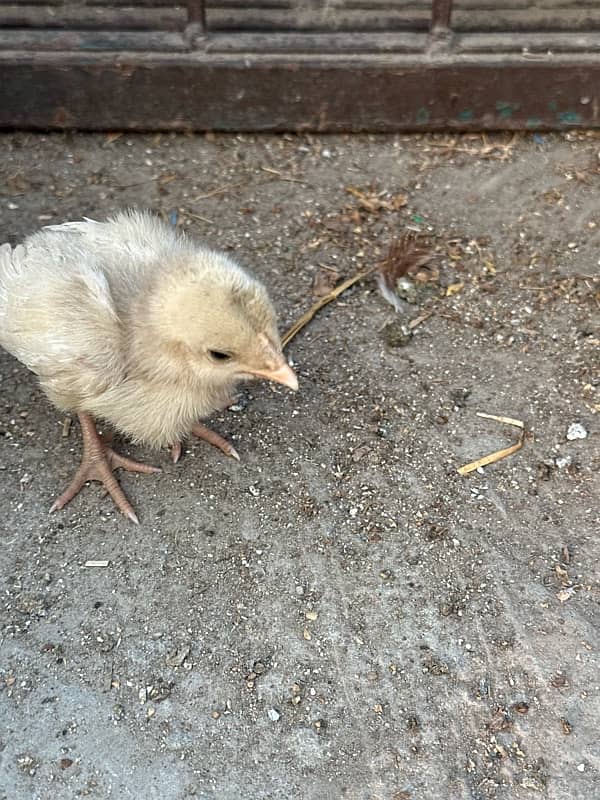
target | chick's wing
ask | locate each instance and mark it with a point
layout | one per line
(58, 317)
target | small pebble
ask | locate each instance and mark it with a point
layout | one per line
(580, 767)
(273, 714)
(562, 461)
(576, 431)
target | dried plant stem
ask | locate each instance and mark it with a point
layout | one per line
(323, 301)
(499, 454)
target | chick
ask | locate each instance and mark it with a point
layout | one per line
(130, 322)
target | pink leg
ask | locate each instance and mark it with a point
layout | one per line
(97, 464)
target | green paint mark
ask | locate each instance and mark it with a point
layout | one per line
(569, 117)
(552, 105)
(465, 115)
(423, 116)
(418, 219)
(505, 110)
(533, 122)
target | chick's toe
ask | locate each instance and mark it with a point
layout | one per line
(202, 432)
(97, 464)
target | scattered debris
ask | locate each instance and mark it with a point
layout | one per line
(499, 454)
(176, 658)
(159, 691)
(500, 721)
(396, 334)
(558, 680)
(28, 764)
(273, 715)
(563, 461)
(373, 201)
(407, 254)
(454, 288)
(497, 148)
(100, 563)
(435, 666)
(566, 594)
(325, 280)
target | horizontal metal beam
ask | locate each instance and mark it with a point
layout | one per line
(252, 92)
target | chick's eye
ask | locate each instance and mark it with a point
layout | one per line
(218, 355)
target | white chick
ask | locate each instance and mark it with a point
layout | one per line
(130, 322)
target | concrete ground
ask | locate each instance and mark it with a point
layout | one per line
(341, 615)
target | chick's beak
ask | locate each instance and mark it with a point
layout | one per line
(283, 374)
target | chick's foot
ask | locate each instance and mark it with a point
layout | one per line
(97, 464)
(202, 432)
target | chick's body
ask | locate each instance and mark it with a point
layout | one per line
(133, 323)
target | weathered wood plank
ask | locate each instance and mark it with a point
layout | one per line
(28, 15)
(316, 43)
(270, 93)
(39, 40)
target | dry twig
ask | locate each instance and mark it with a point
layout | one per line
(499, 454)
(323, 301)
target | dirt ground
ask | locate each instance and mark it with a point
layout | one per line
(341, 615)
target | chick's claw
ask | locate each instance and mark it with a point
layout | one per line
(202, 432)
(97, 464)
(176, 451)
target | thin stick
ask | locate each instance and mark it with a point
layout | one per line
(508, 420)
(492, 458)
(191, 215)
(221, 190)
(323, 301)
(414, 323)
(281, 176)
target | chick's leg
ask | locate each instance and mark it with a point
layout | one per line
(97, 464)
(202, 432)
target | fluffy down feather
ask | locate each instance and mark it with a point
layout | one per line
(132, 322)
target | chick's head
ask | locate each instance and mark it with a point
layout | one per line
(220, 326)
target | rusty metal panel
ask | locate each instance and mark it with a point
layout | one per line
(273, 65)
